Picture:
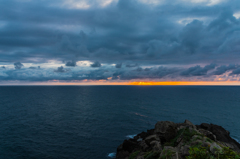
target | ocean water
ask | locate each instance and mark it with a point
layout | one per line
(89, 122)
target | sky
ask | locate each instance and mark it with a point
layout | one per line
(119, 41)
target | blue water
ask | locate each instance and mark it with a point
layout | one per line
(89, 122)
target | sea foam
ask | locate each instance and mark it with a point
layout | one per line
(112, 155)
(236, 139)
(131, 136)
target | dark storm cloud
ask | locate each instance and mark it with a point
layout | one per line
(72, 64)
(99, 74)
(235, 72)
(139, 69)
(222, 69)
(140, 73)
(34, 67)
(104, 73)
(198, 70)
(127, 32)
(96, 64)
(119, 65)
(131, 65)
(60, 69)
(18, 65)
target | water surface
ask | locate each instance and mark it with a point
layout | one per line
(89, 122)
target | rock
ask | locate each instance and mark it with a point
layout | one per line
(169, 150)
(197, 137)
(206, 144)
(227, 145)
(144, 146)
(184, 151)
(152, 138)
(179, 139)
(189, 123)
(152, 142)
(180, 144)
(163, 126)
(221, 135)
(140, 139)
(208, 134)
(205, 126)
(214, 148)
(150, 132)
(175, 156)
(156, 146)
(179, 127)
(197, 142)
(167, 130)
(122, 154)
(130, 145)
(120, 147)
(143, 135)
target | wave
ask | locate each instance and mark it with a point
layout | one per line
(141, 115)
(112, 155)
(236, 139)
(131, 136)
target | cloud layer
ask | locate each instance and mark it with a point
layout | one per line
(119, 40)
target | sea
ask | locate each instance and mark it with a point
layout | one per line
(90, 122)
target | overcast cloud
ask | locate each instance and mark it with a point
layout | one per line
(119, 39)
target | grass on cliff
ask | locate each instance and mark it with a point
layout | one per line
(167, 154)
(173, 142)
(148, 155)
(204, 153)
(134, 155)
(186, 134)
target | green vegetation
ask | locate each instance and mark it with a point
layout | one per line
(134, 155)
(152, 155)
(147, 153)
(197, 152)
(173, 142)
(209, 140)
(186, 134)
(197, 138)
(228, 153)
(167, 154)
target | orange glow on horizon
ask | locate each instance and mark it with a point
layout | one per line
(131, 83)
(172, 83)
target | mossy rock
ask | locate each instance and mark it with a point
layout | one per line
(167, 154)
(152, 155)
(134, 155)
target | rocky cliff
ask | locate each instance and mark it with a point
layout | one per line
(170, 140)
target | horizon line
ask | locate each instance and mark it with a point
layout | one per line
(135, 83)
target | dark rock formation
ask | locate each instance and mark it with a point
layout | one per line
(166, 130)
(177, 141)
(221, 135)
